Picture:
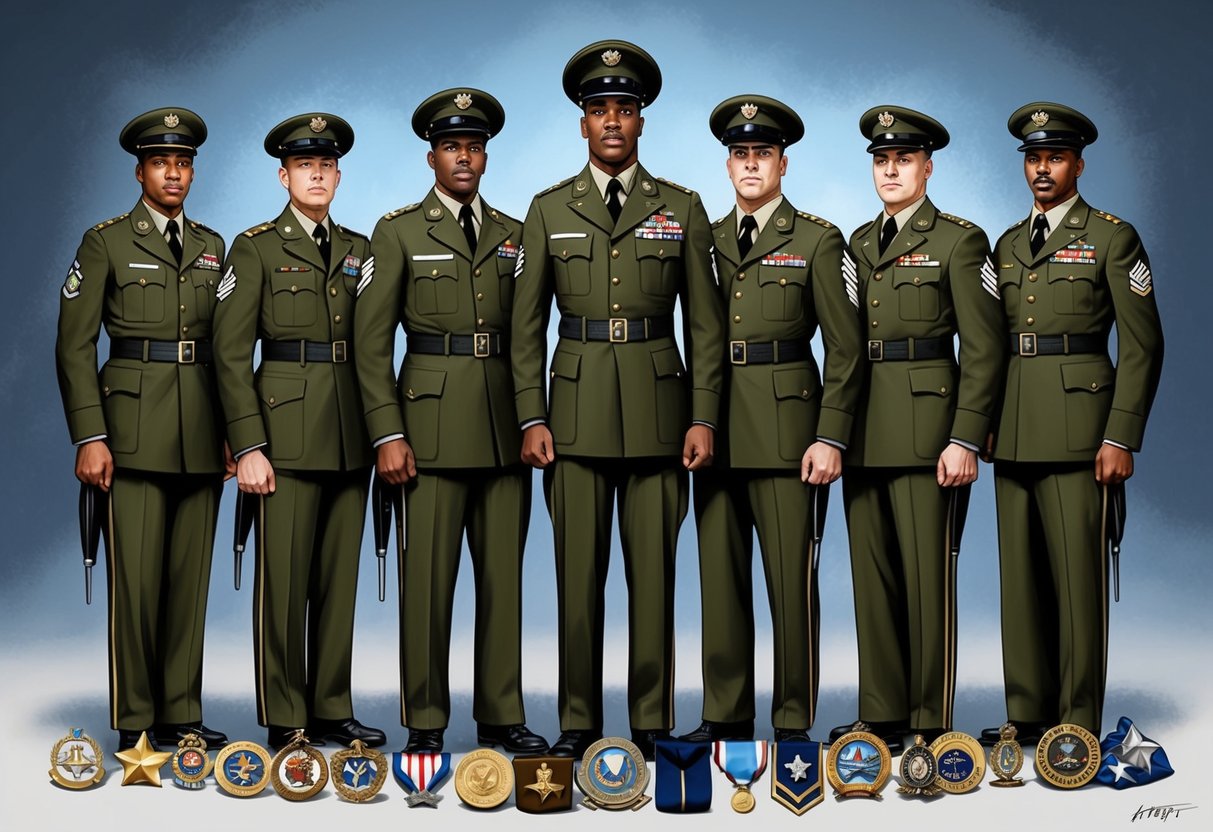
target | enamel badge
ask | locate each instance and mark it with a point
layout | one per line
(613, 775)
(242, 768)
(358, 772)
(1006, 758)
(796, 775)
(76, 761)
(962, 762)
(858, 764)
(919, 771)
(191, 764)
(1068, 756)
(299, 771)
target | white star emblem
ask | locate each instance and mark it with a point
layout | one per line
(798, 767)
(1118, 767)
(1135, 750)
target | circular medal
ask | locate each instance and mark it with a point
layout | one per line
(299, 771)
(484, 779)
(961, 760)
(613, 774)
(858, 764)
(1006, 758)
(919, 770)
(191, 764)
(1068, 756)
(358, 772)
(76, 761)
(743, 800)
(242, 768)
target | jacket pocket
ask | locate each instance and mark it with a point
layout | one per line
(282, 407)
(1073, 287)
(421, 390)
(294, 298)
(917, 292)
(797, 402)
(670, 395)
(1088, 387)
(562, 407)
(436, 287)
(658, 261)
(142, 289)
(933, 390)
(571, 256)
(782, 290)
(120, 387)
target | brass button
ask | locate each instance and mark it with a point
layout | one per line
(272, 399)
(1094, 386)
(333, 291)
(877, 276)
(804, 394)
(875, 302)
(294, 287)
(183, 307)
(411, 394)
(552, 374)
(208, 283)
(615, 307)
(182, 279)
(336, 319)
(614, 281)
(614, 254)
(875, 324)
(106, 389)
(1031, 298)
(741, 276)
(736, 319)
(783, 281)
(143, 281)
(476, 273)
(434, 273)
(1031, 320)
(660, 252)
(1070, 278)
(480, 322)
(184, 329)
(943, 389)
(564, 252)
(1032, 277)
(917, 281)
(480, 296)
(737, 295)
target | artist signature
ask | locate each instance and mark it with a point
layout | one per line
(1163, 813)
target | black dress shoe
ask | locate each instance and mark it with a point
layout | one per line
(1027, 734)
(424, 741)
(173, 733)
(647, 741)
(345, 731)
(889, 732)
(709, 731)
(574, 743)
(517, 739)
(129, 739)
(791, 735)
(279, 736)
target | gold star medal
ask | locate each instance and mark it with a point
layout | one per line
(299, 771)
(76, 761)
(141, 764)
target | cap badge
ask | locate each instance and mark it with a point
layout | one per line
(749, 110)
(171, 120)
(1040, 118)
(611, 57)
(142, 225)
(318, 124)
(463, 101)
(885, 119)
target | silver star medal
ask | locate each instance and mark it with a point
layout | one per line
(423, 797)
(798, 767)
(1117, 767)
(1135, 750)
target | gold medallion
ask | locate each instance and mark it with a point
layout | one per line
(1006, 758)
(172, 120)
(611, 57)
(962, 762)
(749, 110)
(742, 800)
(463, 101)
(613, 775)
(76, 761)
(242, 768)
(484, 779)
(1040, 118)
(317, 124)
(299, 771)
(1068, 756)
(358, 772)
(885, 119)
(141, 764)
(191, 764)
(858, 764)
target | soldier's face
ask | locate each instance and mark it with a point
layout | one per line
(166, 179)
(311, 181)
(458, 163)
(613, 127)
(901, 176)
(757, 173)
(1052, 174)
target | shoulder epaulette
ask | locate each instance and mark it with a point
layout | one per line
(556, 187)
(197, 225)
(818, 220)
(391, 215)
(685, 190)
(722, 220)
(1017, 224)
(347, 230)
(502, 216)
(961, 221)
(111, 221)
(1104, 215)
(259, 229)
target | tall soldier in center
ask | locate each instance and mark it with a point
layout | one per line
(296, 428)
(444, 269)
(781, 274)
(617, 248)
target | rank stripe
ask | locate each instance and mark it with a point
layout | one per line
(850, 278)
(989, 279)
(227, 285)
(1140, 280)
(368, 274)
(519, 261)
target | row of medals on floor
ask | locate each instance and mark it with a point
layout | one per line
(612, 775)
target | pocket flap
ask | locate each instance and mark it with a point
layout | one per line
(566, 365)
(1091, 376)
(915, 275)
(294, 283)
(279, 391)
(667, 362)
(662, 249)
(121, 380)
(796, 383)
(1072, 271)
(566, 248)
(141, 276)
(420, 383)
(931, 381)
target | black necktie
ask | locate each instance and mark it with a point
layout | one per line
(1040, 231)
(745, 237)
(887, 233)
(322, 242)
(174, 240)
(612, 198)
(468, 221)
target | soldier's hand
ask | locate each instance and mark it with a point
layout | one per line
(229, 462)
(987, 453)
(395, 462)
(1113, 465)
(699, 449)
(537, 446)
(95, 464)
(957, 466)
(254, 473)
(821, 464)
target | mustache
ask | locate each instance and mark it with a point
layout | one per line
(612, 134)
(1043, 180)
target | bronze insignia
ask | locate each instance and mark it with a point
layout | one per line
(463, 101)
(435, 212)
(318, 124)
(781, 222)
(646, 186)
(142, 225)
(1040, 118)
(611, 57)
(921, 223)
(76, 761)
(749, 110)
(885, 119)
(171, 120)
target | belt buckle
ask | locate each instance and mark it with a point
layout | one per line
(876, 350)
(737, 352)
(185, 352)
(1027, 344)
(618, 332)
(339, 352)
(480, 344)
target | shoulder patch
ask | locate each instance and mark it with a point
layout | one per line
(203, 227)
(961, 221)
(674, 185)
(259, 229)
(111, 221)
(818, 220)
(556, 187)
(1104, 215)
(391, 215)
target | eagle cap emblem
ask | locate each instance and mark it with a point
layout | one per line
(318, 124)
(611, 57)
(1040, 118)
(171, 120)
(463, 101)
(885, 119)
(749, 110)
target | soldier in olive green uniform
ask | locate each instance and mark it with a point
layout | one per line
(616, 248)
(780, 274)
(148, 429)
(1070, 422)
(920, 278)
(444, 269)
(296, 427)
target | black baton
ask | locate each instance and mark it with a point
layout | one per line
(246, 509)
(381, 519)
(1115, 508)
(92, 506)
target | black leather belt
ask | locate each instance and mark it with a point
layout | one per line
(616, 330)
(478, 344)
(768, 352)
(173, 352)
(1029, 344)
(336, 352)
(911, 349)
